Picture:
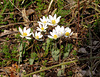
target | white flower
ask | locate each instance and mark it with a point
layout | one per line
(42, 27)
(53, 20)
(53, 34)
(37, 35)
(68, 32)
(60, 30)
(25, 33)
(43, 21)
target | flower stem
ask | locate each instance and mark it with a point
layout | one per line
(60, 51)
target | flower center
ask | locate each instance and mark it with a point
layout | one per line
(53, 22)
(25, 34)
(44, 22)
(37, 37)
(67, 33)
(42, 28)
(55, 36)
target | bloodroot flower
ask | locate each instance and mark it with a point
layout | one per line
(53, 35)
(68, 32)
(42, 27)
(53, 21)
(43, 21)
(59, 30)
(25, 33)
(37, 35)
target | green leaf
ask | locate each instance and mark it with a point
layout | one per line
(66, 55)
(55, 54)
(33, 56)
(74, 52)
(63, 12)
(31, 60)
(21, 47)
(59, 73)
(14, 59)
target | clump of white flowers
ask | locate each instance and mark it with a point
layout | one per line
(57, 32)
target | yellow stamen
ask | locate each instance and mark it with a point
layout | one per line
(37, 37)
(42, 28)
(44, 22)
(53, 22)
(67, 33)
(55, 36)
(25, 34)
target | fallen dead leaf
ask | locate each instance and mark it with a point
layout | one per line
(29, 12)
(25, 17)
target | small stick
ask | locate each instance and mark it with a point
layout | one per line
(50, 5)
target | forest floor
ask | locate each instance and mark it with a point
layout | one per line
(75, 54)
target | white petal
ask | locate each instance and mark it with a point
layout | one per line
(39, 22)
(49, 20)
(55, 16)
(40, 25)
(32, 34)
(24, 30)
(54, 31)
(58, 19)
(44, 18)
(39, 33)
(40, 36)
(20, 30)
(67, 29)
(44, 30)
(38, 29)
(50, 36)
(50, 24)
(45, 26)
(66, 36)
(50, 17)
(27, 37)
(36, 33)
(29, 34)
(51, 33)
(41, 19)
(55, 24)
(21, 36)
(28, 30)
(71, 33)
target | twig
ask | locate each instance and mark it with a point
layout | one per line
(64, 63)
(5, 26)
(50, 5)
(48, 68)
(14, 6)
(94, 8)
